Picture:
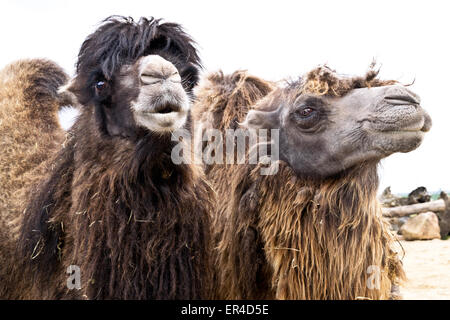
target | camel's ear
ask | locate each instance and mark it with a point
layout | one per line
(68, 94)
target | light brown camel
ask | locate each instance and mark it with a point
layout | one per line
(314, 230)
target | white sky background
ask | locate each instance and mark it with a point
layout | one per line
(275, 40)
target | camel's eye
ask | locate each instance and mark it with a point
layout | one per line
(101, 89)
(100, 85)
(306, 117)
(306, 112)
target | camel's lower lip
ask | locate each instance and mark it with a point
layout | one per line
(420, 126)
(399, 141)
(161, 118)
(406, 132)
(161, 121)
(418, 122)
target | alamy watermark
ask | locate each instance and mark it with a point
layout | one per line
(374, 279)
(372, 282)
(238, 146)
(74, 279)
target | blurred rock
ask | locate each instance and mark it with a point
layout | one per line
(444, 217)
(424, 226)
(386, 193)
(394, 224)
(400, 222)
(419, 195)
(388, 200)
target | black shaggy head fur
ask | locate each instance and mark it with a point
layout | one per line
(135, 223)
(119, 41)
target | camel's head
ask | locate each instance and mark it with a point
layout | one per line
(329, 124)
(136, 77)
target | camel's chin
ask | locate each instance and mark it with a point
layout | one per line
(400, 141)
(162, 122)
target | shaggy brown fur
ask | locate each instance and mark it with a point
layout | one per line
(288, 238)
(28, 108)
(325, 81)
(30, 133)
(222, 102)
(112, 202)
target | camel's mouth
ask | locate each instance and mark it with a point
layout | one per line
(418, 126)
(165, 117)
(401, 128)
(399, 111)
(164, 109)
(421, 122)
(168, 108)
(405, 137)
(400, 114)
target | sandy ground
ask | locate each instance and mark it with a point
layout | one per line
(427, 267)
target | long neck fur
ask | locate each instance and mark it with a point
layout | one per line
(321, 240)
(136, 224)
(316, 240)
(136, 214)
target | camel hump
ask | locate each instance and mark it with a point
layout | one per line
(226, 99)
(33, 82)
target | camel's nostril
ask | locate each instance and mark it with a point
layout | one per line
(401, 99)
(401, 96)
(150, 79)
(155, 69)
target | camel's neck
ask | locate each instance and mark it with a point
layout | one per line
(331, 235)
(136, 224)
